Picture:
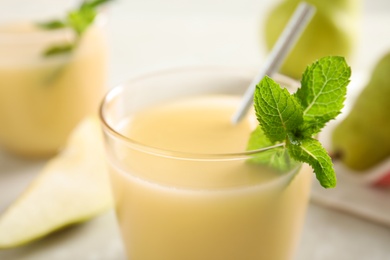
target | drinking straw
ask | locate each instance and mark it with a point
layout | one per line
(294, 28)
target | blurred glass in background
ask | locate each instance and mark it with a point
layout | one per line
(42, 97)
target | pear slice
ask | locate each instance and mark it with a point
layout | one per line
(72, 187)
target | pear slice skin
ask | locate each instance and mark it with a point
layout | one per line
(71, 188)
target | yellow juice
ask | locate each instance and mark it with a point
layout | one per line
(180, 196)
(43, 98)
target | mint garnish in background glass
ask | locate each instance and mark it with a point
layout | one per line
(292, 120)
(78, 21)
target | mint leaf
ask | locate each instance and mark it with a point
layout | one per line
(58, 49)
(311, 151)
(277, 111)
(292, 120)
(52, 25)
(323, 90)
(258, 140)
(81, 19)
(275, 158)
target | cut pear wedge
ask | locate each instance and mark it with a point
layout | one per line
(72, 187)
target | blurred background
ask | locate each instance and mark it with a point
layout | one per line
(149, 35)
(223, 32)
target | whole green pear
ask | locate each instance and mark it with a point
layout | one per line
(332, 31)
(362, 139)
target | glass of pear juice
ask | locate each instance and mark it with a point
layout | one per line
(184, 185)
(43, 98)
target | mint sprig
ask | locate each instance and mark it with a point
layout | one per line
(78, 21)
(293, 119)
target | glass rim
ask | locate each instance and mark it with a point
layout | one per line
(115, 91)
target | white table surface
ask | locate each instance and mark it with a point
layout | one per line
(153, 34)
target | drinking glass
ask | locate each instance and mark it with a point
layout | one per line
(175, 205)
(43, 97)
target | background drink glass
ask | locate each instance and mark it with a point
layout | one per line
(183, 205)
(43, 98)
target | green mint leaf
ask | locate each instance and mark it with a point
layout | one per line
(81, 19)
(275, 158)
(58, 50)
(311, 151)
(322, 93)
(258, 140)
(52, 25)
(277, 111)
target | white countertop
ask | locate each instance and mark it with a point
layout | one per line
(152, 34)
